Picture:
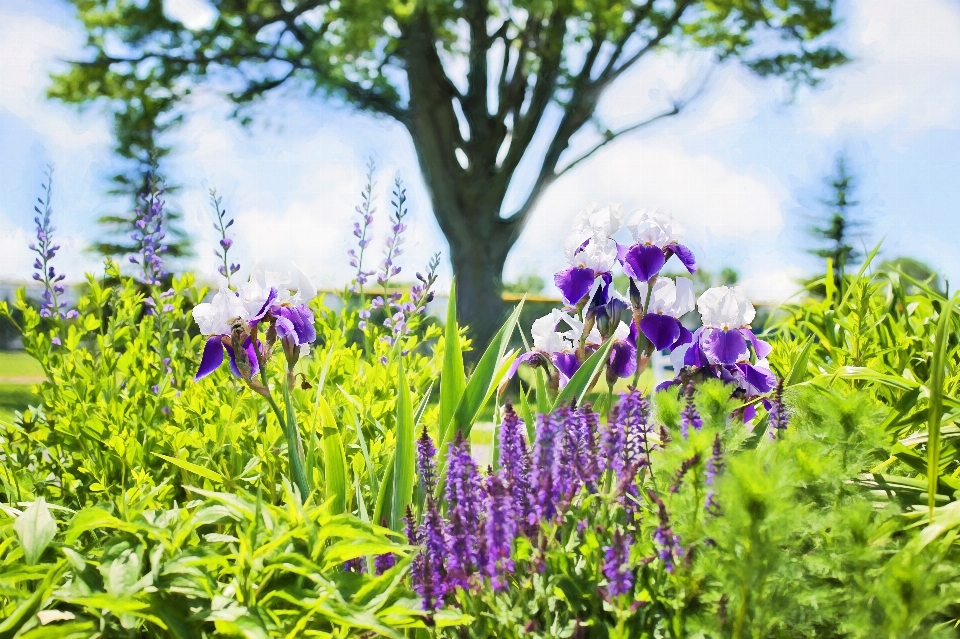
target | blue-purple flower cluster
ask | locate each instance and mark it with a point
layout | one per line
(148, 235)
(363, 232)
(646, 318)
(531, 490)
(51, 303)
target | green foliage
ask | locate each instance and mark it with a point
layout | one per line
(788, 547)
(899, 339)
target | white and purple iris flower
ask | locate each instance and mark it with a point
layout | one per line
(229, 320)
(623, 352)
(558, 348)
(656, 239)
(669, 302)
(589, 251)
(725, 341)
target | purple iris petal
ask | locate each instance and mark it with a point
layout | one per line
(643, 261)
(661, 330)
(302, 318)
(724, 347)
(756, 380)
(760, 347)
(685, 255)
(685, 337)
(286, 331)
(271, 297)
(212, 357)
(525, 357)
(749, 412)
(566, 363)
(623, 358)
(574, 283)
(695, 355)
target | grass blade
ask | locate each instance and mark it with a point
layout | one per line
(334, 460)
(453, 378)
(190, 467)
(579, 385)
(404, 455)
(935, 387)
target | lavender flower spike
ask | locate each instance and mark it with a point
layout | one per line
(50, 304)
(546, 467)
(148, 234)
(226, 269)
(363, 232)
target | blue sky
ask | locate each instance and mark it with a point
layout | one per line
(736, 167)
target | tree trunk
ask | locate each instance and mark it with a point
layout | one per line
(478, 264)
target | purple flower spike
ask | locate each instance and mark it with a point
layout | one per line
(779, 415)
(643, 261)
(463, 508)
(50, 303)
(429, 574)
(630, 418)
(616, 567)
(148, 233)
(690, 416)
(226, 269)
(515, 462)
(714, 468)
(426, 462)
(546, 466)
(500, 530)
(363, 233)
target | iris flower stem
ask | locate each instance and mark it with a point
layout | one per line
(642, 339)
(294, 444)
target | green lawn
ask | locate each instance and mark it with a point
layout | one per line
(18, 371)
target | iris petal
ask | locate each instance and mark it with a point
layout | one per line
(725, 347)
(574, 283)
(212, 357)
(623, 359)
(661, 330)
(643, 261)
(685, 255)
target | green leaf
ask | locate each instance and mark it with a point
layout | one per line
(935, 387)
(94, 519)
(482, 383)
(190, 467)
(334, 460)
(799, 368)
(23, 613)
(543, 399)
(36, 528)
(404, 456)
(453, 378)
(581, 382)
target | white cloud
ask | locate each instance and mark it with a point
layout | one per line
(716, 202)
(905, 73)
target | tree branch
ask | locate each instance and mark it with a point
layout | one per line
(610, 136)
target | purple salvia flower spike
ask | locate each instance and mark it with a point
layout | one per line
(546, 464)
(500, 531)
(426, 462)
(714, 468)
(616, 567)
(689, 416)
(515, 462)
(464, 495)
(226, 243)
(363, 232)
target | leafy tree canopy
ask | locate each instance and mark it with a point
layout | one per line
(471, 80)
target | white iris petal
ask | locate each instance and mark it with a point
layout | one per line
(725, 307)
